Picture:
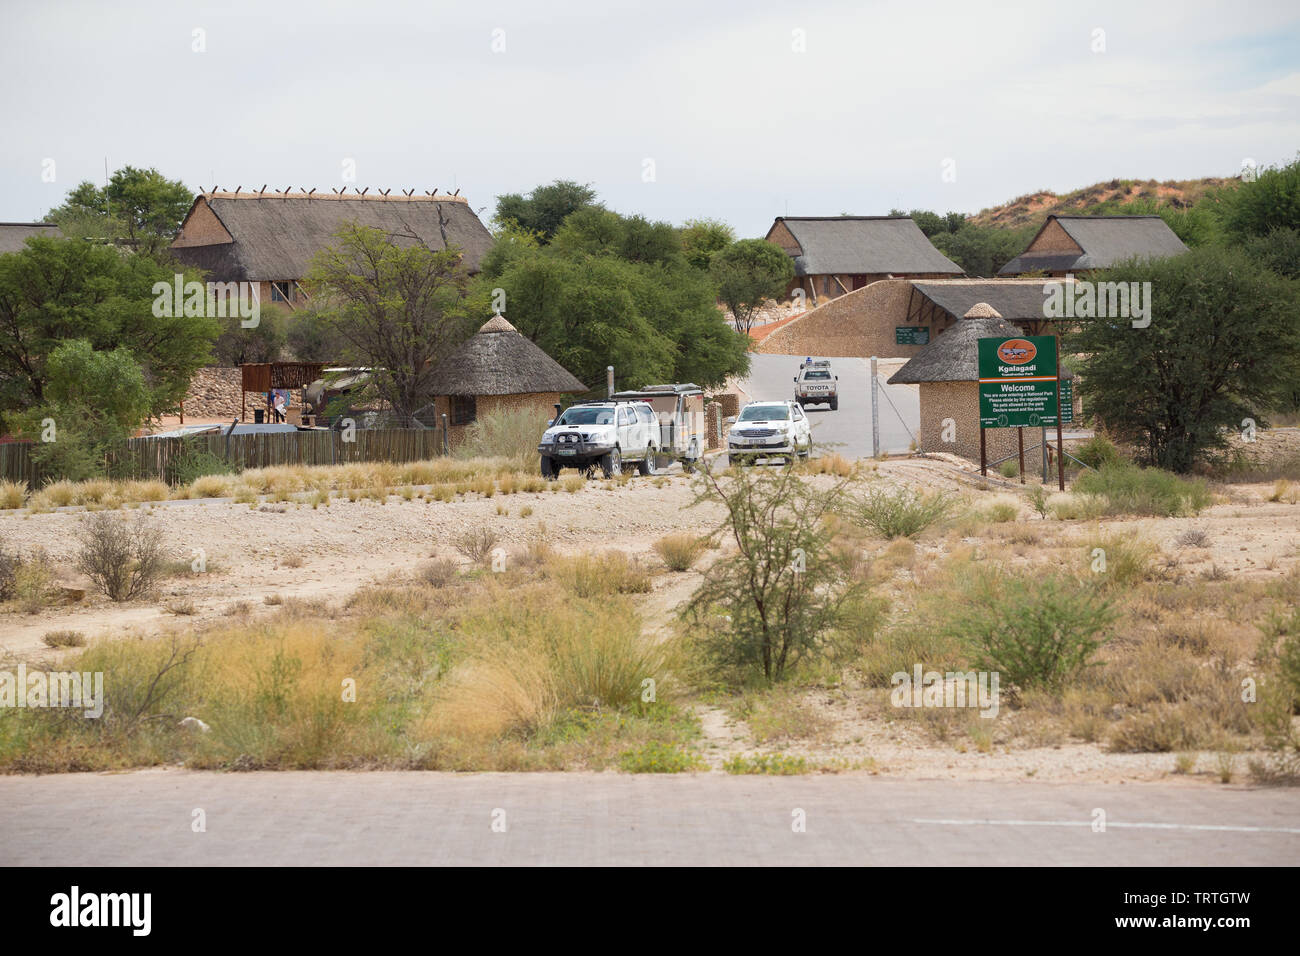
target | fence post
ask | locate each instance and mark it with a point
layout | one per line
(875, 411)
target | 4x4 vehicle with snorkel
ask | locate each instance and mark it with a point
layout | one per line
(601, 434)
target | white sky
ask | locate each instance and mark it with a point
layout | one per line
(739, 125)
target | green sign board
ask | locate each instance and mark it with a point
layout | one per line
(1017, 381)
(1067, 401)
(911, 335)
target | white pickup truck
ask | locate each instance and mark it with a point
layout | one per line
(604, 434)
(816, 384)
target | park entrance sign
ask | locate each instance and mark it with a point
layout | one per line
(1018, 382)
(1019, 385)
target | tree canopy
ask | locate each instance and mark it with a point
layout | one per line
(1271, 201)
(1221, 347)
(544, 209)
(615, 290)
(399, 308)
(141, 205)
(747, 273)
(54, 290)
(701, 238)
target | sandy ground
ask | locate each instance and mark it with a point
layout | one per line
(349, 544)
(342, 547)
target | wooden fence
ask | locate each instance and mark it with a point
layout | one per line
(153, 457)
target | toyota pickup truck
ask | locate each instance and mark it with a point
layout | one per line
(601, 434)
(816, 384)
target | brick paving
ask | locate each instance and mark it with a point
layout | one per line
(145, 818)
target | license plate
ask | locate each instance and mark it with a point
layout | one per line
(568, 451)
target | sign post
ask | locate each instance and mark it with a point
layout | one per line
(875, 411)
(1060, 442)
(1019, 379)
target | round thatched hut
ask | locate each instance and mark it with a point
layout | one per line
(947, 371)
(498, 369)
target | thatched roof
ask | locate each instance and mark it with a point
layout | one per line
(1102, 241)
(1016, 300)
(260, 238)
(14, 235)
(953, 355)
(500, 361)
(857, 245)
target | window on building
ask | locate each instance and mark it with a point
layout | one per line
(282, 291)
(463, 409)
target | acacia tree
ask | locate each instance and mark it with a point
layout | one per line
(747, 274)
(1223, 339)
(140, 205)
(781, 596)
(399, 307)
(544, 210)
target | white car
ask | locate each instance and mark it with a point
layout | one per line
(769, 430)
(604, 434)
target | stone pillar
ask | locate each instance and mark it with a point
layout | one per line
(713, 425)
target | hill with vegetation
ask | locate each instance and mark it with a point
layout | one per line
(1117, 196)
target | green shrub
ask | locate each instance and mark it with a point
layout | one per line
(194, 461)
(899, 512)
(784, 593)
(1034, 631)
(1132, 490)
(659, 757)
(1001, 512)
(1038, 500)
(1009, 468)
(783, 765)
(1098, 451)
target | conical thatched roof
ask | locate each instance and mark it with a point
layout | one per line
(953, 355)
(500, 361)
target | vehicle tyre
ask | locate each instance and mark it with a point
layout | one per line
(550, 467)
(612, 463)
(650, 465)
(835, 404)
(807, 448)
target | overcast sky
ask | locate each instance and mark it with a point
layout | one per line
(675, 110)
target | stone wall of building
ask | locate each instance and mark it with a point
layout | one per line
(859, 324)
(959, 402)
(543, 403)
(214, 394)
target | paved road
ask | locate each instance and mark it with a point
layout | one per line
(848, 430)
(323, 818)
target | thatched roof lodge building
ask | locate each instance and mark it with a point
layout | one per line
(270, 239)
(1077, 244)
(837, 254)
(14, 235)
(947, 371)
(498, 369)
